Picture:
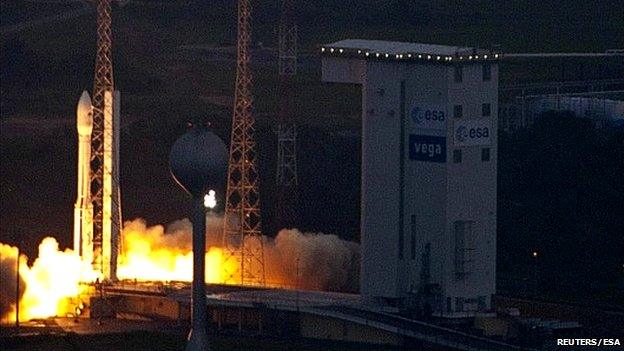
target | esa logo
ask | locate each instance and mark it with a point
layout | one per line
(428, 118)
(427, 148)
(464, 134)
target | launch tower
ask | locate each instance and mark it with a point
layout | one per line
(242, 235)
(286, 179)
(104, 155)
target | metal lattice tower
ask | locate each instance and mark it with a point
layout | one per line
(104, 172)
(286, 179)
(242, 235)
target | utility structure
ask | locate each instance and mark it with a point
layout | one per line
(197, 162)
(242, 234)
(104, 151)
(286, 179)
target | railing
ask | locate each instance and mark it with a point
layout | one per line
(402, 326)
(603, 83)
(411, 328)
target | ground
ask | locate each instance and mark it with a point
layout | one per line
(63, 334)
(80, 334)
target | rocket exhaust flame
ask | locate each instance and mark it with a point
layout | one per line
(150, 253)
(53, 278)
(310, 261)
(326, 262)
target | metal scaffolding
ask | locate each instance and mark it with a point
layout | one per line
(104, 158)
(242, 234)
(286, 179)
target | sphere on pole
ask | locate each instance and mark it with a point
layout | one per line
(198, 161)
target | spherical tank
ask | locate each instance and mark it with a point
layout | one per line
(198, 160)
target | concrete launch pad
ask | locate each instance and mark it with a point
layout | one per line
(314, 315)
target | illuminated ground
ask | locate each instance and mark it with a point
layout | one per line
(62, 334)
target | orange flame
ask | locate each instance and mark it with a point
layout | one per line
(151, 255)
(293, 259)
(53, 278)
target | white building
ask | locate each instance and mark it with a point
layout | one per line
(429, 146)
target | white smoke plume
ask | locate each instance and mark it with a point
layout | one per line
(313, 261)
(8, 279)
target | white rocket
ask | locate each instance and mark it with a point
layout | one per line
(83, 209)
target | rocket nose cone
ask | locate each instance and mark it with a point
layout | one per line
(84, 117)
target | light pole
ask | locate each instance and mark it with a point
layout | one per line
(17, 287)
(198, 160)
(298, 284)
(535, 273)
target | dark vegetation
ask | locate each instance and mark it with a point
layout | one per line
(561, 195)
(44, 69)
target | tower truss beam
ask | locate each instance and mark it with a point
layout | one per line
(242, 234)
(104, 151)
(286, 176)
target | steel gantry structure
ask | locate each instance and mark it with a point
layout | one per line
(104, 154)
(286, 179)
(242, 234)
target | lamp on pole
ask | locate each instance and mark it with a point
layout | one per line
(17, 287)
(298, 288)
(535, 283)
(197, 161)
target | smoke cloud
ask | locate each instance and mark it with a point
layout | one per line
(312, 261)
(8, 279)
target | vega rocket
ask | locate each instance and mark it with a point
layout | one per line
(83, 209)
(102, 252)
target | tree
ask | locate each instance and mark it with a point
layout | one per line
(561, 193)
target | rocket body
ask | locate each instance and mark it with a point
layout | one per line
(102, 251)
(83, 209)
